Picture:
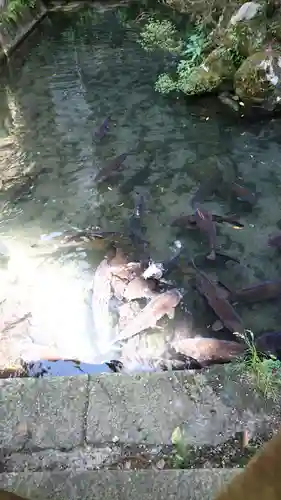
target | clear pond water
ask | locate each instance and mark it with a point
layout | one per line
(81, 68)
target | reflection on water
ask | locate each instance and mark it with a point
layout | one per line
(84, 68)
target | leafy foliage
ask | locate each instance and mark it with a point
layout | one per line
(266, 372)
(192, 50)
(13, 10)
(162, 35)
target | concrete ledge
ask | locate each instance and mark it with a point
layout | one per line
(192, 484)
(67, 412)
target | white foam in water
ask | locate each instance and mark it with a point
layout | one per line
(56, 299)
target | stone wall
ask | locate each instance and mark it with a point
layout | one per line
(13, 32)
(60, 436)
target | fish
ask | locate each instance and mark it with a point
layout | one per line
(94, 238)
(112, 167)
(259, 292)
(204, 221)
(101, 295)
(269, 343)
(157, 270)
(209, 350)
(163, 303)
(206, 189)
(118, 286)
(139, 288)
(68, 239)
(176, 362)
(215, 297)
(189, 221)
(136, 230)
(103, 129)
(122, 268)
(242, 193)
(274, 240)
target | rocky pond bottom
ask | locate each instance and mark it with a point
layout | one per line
(83, 132)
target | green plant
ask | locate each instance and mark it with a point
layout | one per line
(13, 10)
(266, 372)
(160, 34)
(192, 51)
(181, 449)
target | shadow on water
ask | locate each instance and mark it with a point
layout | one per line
(82, 68)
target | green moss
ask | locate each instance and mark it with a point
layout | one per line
(275, 26)
(163, 35)
(199, 81)
(250, 81)
(220, 61)
(246, 37)
(14, 9)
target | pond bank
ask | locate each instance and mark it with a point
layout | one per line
(127, 423)
(17, 23)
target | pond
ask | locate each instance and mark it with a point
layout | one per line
(81, 68)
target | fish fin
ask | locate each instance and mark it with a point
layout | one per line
(217, 325)
(171, 313)
(211, 255)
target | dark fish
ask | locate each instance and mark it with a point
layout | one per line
(204, 221)
(206, 189)
(189, 221)
(103, 129)
(136, 229)
(274, 240)
(243, 193)
(163, 303)
(269, 343)
(112, 167)
(97, 239)
(209, 350)
(257, 293)
(215, 297)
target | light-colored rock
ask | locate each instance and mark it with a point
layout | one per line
(246, 12)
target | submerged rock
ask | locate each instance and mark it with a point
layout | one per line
(258, 79)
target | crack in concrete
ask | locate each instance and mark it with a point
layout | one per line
(86, 412)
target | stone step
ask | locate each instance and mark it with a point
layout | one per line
(192, 484)
(62, 413)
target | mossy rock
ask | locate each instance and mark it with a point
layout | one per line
(199, 81)
(246, 37)
(275, 26)
(220, 62)
(252, 78)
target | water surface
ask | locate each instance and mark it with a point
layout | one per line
(80, 69)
